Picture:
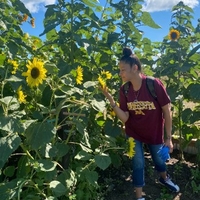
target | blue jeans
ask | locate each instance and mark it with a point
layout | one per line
(138, 162)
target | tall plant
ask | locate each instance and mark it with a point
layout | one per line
(179, 66)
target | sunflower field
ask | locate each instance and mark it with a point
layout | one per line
(57, 131)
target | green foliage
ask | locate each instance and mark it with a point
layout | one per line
(194, 182)
(179, 67)
(53, 144)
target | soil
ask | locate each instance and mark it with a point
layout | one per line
(119, 185)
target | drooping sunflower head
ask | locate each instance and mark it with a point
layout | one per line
(105, 75)
(131, 147)
(102, 82)
(32, 21)
(25, 17)
(79, 75)
(21, 95)
(36, 72)
(174, 35)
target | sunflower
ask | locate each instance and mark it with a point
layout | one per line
(106, 74)
(131, 146)
(174, 35)
(14, 64)
(21, 95)
(79, 75)
(25, 17)
(32, 22)
(36, 72)
(102, 82)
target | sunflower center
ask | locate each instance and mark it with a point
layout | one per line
(174, 35)
(35, 72)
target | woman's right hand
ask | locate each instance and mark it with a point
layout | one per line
(123, 116)
(107, 94)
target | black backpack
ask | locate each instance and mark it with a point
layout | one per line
(150, 86)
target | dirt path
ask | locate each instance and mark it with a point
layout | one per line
(121, 188)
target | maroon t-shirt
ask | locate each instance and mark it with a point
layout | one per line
(146, 122)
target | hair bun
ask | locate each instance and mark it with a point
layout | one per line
(127, 51)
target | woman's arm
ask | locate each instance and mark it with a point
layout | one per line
(168, 125)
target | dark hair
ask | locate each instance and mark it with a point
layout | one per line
(130, 58)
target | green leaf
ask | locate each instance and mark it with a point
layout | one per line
(102, 161)
(132, 27)
(98, 105)
(49, 28)
(186, 115)
(112, 37)
(23, 168)
(193, 51)
(20, 7)
(91, 177)
(2, 59)
(46, 165)
(147, 20)
(68, 177)
(90, 14)
(82, 155)
(90, 3)
(116, 159)
(8, 145)
(57, 188)
(194, 91)
(86, 149)
(3, 25)
(62, 149)
(9, 171)
(13, 79)
(8, 190)
(111, 129)
(52, 35)
(10, 124)
(39, 134)
(49, 151)
(89, 84)
(10, 102)
(47, 96)
(13, 47)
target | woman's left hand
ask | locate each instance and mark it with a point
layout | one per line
(168, 142)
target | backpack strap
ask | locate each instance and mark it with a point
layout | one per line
(150, 86)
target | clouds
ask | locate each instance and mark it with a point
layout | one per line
(161, 5)
(149, 5)
(37, 5)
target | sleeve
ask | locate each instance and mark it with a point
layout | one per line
(122, 100)
(162, 95)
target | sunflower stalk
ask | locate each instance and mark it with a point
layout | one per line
(72, 31)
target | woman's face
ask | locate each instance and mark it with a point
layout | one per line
(125, 71)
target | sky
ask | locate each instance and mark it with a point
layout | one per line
(160, 11)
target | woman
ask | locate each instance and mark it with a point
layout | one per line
(145, 118)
